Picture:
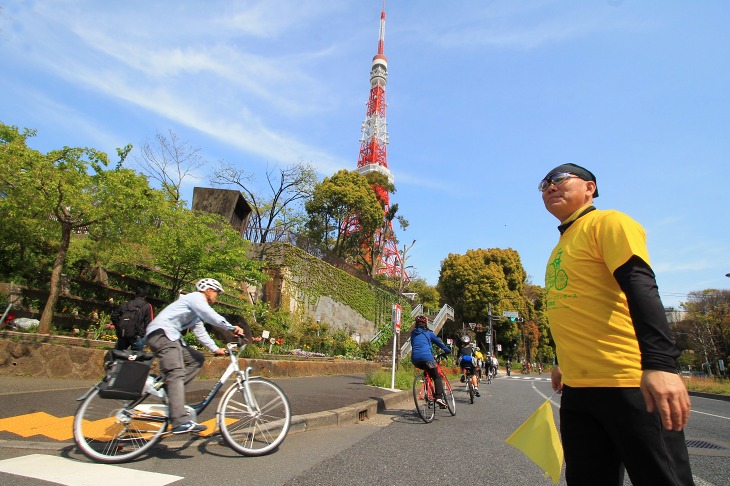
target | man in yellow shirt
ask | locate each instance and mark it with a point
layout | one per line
(622, 399)
(480, 362)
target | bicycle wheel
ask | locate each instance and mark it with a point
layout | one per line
(257, 426)
(449, 395)
(425, 407)
(471, 390)
(110, 431)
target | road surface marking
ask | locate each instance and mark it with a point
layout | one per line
(68, 472)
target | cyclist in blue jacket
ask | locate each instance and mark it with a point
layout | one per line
(422, 341)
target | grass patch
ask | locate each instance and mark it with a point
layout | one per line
(383, 378)
(404, 380)
(708, 385)
(404, 376)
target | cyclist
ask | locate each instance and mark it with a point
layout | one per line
(491, 366)
(508, 367)
(467, 363)
(178, 362)
(480, 362)
(422, 341)
(495, 366)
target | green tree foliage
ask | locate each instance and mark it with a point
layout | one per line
(473, 281)
(705, 327)
(189, 245)
(335, 205)
(63, 193)
(372, 248)
(26, 248)
(427, 294)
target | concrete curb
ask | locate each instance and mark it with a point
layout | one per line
(350, 414)
(347, 415)
(713, 396)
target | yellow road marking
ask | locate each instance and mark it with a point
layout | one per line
(61, 428)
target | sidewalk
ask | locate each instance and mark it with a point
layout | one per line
(316, 402)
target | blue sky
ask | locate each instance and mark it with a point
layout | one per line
(484, 97)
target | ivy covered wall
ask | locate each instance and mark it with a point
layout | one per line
(312, 289)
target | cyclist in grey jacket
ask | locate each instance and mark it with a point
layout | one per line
(178, 362)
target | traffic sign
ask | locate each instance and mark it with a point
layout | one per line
(511, 314)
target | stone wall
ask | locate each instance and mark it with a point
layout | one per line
(32, 358)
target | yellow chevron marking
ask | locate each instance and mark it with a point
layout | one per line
(39, 423)
(61, 428)
(211, 427)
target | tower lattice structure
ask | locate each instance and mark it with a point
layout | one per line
(374, 157)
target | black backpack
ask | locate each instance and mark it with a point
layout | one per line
(130, 319)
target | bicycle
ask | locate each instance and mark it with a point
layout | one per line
(469, 384)
(424, 393)
(253, 417)
(489, 374)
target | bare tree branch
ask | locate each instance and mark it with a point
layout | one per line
(169, 161)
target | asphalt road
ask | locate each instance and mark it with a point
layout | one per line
(392, 448)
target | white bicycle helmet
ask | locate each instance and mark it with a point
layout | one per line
(465, 339)
(208, 283)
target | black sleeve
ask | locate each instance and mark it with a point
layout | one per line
(637, 280)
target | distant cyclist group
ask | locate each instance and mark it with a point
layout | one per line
(473, 364)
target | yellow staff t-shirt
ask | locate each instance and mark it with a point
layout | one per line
(587, 311)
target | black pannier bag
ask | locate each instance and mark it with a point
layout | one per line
(126, 374)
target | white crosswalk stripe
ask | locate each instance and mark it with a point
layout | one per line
(68, 472)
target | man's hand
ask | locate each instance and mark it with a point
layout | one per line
(237, 331)
(556, 377)
(220, 352)
(665, 392)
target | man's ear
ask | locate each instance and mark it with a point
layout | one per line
(591, 187)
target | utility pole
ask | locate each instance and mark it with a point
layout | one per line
(489, 330)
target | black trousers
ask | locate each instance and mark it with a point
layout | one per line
(604, 430)
(430, 367)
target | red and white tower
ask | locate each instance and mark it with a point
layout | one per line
(374, 155)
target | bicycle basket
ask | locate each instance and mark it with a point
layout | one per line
(126, 374)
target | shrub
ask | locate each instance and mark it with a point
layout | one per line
(367, 350)
(251, 352)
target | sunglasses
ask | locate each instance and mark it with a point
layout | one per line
(556, 179)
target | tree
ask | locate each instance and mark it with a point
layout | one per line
(427, 294)
(473, 281)
(26, 248)
(170, 162)
(64, 193)
(191, 245)
(372, 248)
(706, 325)
(337, 202)
(280, 210)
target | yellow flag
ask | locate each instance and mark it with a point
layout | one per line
(538, 439)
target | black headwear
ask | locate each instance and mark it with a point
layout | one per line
(577, 170)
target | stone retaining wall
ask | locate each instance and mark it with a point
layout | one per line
(31, 358)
